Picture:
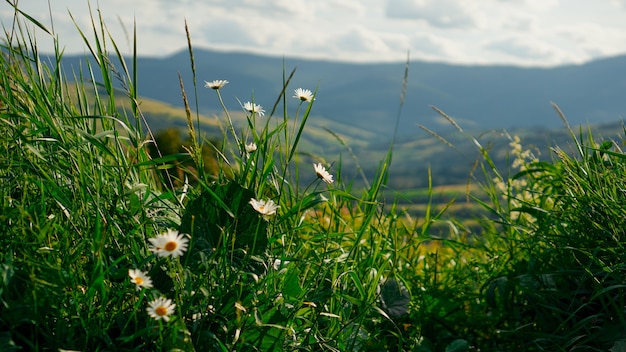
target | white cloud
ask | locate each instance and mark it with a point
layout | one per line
(620, 2)
(542, 5)
(437, 13)
(522, 47)
(590, 40)
(525, 32)
(430, 46)
(359, 39)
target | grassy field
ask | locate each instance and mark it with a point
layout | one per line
(109, 244)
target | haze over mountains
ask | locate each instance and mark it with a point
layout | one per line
(360, 103)
(368, 95)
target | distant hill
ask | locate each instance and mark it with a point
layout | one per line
(413, 155)
(368, 95)
(359, 102)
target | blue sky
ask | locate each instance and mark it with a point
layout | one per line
(518, 32)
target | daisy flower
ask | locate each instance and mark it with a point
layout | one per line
(303, 95)
(264, 207)
(240, 307)
(280, 264)
(217, 84)
(140, 278)
(170, 243)
(254, 108)
(250, 147)
(161, 308)
(322, 173)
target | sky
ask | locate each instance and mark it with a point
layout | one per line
(472, 32)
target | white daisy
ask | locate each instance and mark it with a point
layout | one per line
(280, 264)
(170, 243)
(217, 84)
(240, 307)
(303, 95)
(322, 173)
(250, 147)
(161, 308)
(254, 108)
(140, 278)
(264, 207)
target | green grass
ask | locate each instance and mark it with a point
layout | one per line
(341, 266)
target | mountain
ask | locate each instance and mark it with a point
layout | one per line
(360, 102)
(368, 95)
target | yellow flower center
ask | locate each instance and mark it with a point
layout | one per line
(161, 311)
(170, 246)
(138, 280)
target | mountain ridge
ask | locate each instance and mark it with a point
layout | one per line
(481, 97)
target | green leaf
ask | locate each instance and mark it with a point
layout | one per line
(165, 159)
(458, 345)
(619, 346)
(395, 298)
(6, 342)
(292, 286)
(221, 217)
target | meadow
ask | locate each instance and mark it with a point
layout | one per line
(252, 242)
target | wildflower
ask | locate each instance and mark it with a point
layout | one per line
(322, 173)
(140, 278)
(303, 95)
(216, 84)
(264, 207)
(310, 304)
(254, 108)
(250, 147)
(240, 307)
(161, 308)
(170, 243)
(280, 264)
